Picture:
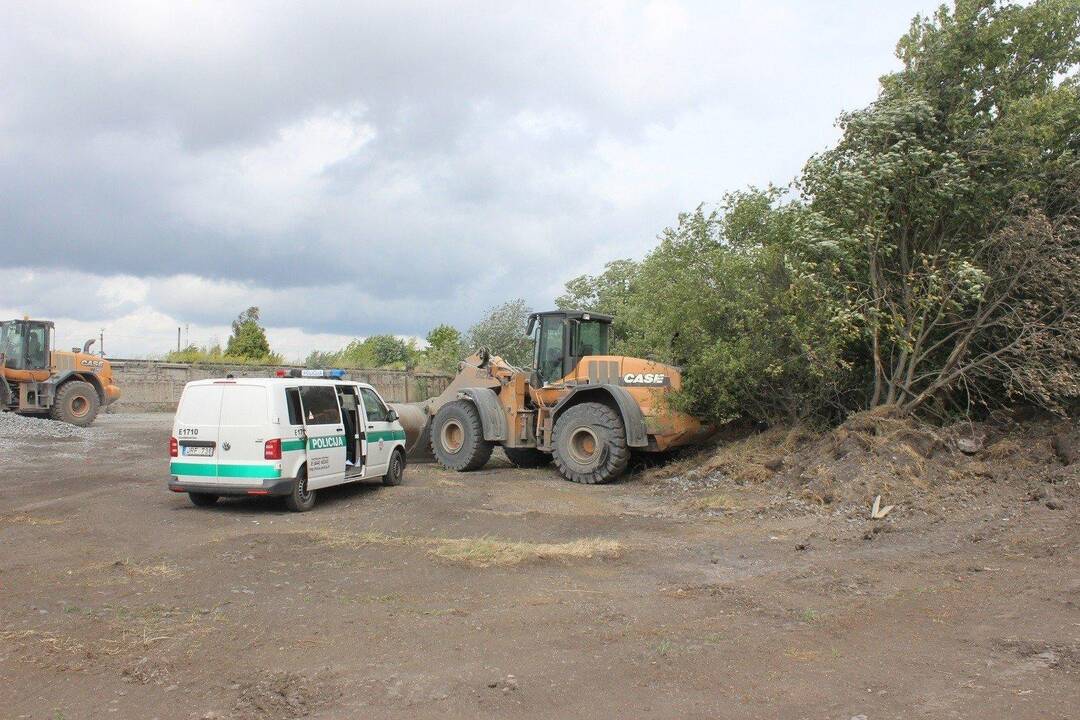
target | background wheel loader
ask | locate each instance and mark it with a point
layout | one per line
(34, 379)
(578, 406)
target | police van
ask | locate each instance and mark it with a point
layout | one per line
(289, 435)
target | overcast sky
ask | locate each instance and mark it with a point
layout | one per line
(359, 168)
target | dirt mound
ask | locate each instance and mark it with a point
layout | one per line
(878, 453)
(282, 696)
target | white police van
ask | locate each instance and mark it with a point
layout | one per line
(288, 435)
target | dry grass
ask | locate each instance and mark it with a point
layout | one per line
(25, 518)
(713, 502)
(485, 552)
(158, 570)
(123, 571)
(1003, 449)
(126, 632)
(478, 552)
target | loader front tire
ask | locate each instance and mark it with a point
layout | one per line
(590, 444)
(76, 403)
(457, 437)
(527, 457)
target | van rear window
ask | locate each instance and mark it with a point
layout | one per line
(243, 405)
(292, 398)
(200, 405)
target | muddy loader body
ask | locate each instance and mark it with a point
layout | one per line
(37, 380)
(578, 405)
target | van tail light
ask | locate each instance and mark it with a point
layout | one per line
(174, 448)
(272, 449)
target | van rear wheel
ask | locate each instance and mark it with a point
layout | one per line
(300, 499)
(202, 499)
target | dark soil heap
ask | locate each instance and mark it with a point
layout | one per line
(912, 466)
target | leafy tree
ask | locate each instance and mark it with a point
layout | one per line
(446, 348)
(731, 295)
(608, 293)
(502, 332)
(374, 351)
(213, 355)
(931, 260)
(248, 339)
(951, 199)
(388, 350)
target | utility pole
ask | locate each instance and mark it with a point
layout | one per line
(177, 339)
(101, 342)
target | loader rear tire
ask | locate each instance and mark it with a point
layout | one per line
(590, 444)
(76, 402)
(457, 437)
(527, 457)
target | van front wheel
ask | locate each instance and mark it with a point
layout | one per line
(395, 469)
(300, 499)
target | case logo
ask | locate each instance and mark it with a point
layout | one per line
(645, 379)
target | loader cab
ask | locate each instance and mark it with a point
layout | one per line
(24, 344)
(561, 339)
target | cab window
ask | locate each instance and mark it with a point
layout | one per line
(320, 405)
(549, 350)
(11, 344)
(373, 406)
(35, 348)
(592, 339)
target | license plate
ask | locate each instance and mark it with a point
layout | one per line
(199, 451)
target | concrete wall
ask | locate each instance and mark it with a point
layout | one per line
(153, 386)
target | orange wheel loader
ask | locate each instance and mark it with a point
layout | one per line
(578, 405)
(36, 380)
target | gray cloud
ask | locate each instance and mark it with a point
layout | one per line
(383, 167)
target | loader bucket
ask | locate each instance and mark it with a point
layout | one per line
(417, 424)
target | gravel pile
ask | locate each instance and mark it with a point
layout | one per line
(21, 427)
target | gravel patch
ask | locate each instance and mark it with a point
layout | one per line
(22, 427)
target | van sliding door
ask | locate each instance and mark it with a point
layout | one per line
(325, 436)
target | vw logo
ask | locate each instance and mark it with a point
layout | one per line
(226, 446)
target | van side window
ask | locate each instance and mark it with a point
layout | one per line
(292, 399)
(373, 404)
(320, 405)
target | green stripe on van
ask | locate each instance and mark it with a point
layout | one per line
(233, 471)
(325, 442)
(377, 435)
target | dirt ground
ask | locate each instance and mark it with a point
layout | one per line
(511, 593)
